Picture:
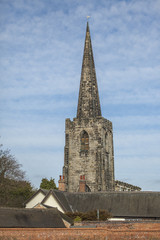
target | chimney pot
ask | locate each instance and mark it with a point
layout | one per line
(82, 184)
(61, 183)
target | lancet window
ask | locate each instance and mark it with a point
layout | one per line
(84, 141)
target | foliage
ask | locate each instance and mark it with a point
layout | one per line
(90, 216)
(15, 193)
(14, 189)
(48, 184)
(78, 219)
(9, 167)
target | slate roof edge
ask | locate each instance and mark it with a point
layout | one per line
(51, 216)
(46, 197)
(39, 190)
(61, 204)
(66, 218)
(111, 192)
(51, 192)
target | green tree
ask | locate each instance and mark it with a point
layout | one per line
(9, 167)
(14, 189)
(15, 193)
(48, 184)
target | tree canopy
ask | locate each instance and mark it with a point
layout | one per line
(14, 189)
(48, 184)
(9, 167)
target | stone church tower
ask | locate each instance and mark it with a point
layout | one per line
(88, 153)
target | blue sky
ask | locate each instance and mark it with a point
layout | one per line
(41, 45)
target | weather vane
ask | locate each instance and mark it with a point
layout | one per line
(88, 17)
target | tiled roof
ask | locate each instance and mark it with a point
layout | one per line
(119, 204)
(30, 218)
(60, 196)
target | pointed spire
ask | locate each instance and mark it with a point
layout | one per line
(88, 103)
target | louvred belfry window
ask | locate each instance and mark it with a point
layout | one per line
(84, 141)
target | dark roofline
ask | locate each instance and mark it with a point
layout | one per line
(52, 192)
(66, 218)
(121, 204)
(46, 197)
(61, 204)
(39, 190)
(127, 184)
(61, 198)
(31, 218)
(108, 192)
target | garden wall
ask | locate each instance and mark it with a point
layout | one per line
(112, 231)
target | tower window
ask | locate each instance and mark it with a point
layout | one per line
(66, 155)
(84, 141)
(107, 142)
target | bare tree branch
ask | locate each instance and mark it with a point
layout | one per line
(9, 167)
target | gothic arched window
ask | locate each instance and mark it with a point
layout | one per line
(84, 141)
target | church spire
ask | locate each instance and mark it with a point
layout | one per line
(88, 103)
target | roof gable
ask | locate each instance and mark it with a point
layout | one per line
(57, 199)
(60, 196)
(36, 198)
(51, 201)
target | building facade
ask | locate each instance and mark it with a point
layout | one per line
(88, 153)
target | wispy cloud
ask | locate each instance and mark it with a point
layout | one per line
(41, 54)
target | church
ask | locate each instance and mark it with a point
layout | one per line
(89, 152)
(88, 181)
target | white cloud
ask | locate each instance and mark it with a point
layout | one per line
(41, 55)
(137, 122)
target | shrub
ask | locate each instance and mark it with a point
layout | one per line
(77, 219)
(90, 215)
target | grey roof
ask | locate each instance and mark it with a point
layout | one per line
(31, 218)
(119, 204)
(66, 218)
(59, 195)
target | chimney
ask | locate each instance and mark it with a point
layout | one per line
(61, 183)
(82, 184)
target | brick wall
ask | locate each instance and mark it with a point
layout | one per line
(111, 232)
(140, 225)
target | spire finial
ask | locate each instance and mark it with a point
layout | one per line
(87, 30)
(88, 103)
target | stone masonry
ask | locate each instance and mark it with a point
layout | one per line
(122, 186)
(88, 148)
